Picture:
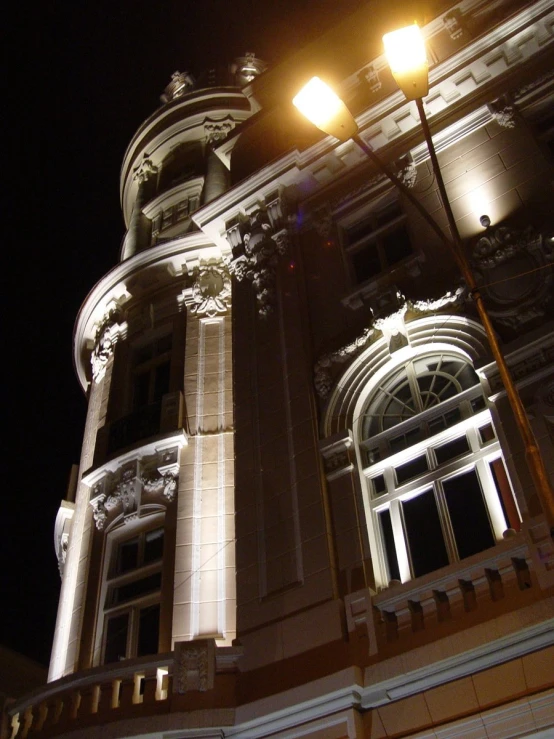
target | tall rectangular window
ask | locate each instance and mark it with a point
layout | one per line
(132, 596)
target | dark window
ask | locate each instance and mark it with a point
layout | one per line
(379, 485)
(390, 549)
(425, 539)
(378, 242)
(452, 449)
(136, 588)
(151, 372)
(149, 630)
(127, 559)
(411, 469)
(116, 638)
(468, 514)
(153, 545)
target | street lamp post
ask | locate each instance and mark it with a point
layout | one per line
(405, 52)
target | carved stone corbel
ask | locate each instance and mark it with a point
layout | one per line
(218, 130)
(194, 665)
(406, 171)
(108, 333)
(503, 112)
(258, 240)
(454, 23)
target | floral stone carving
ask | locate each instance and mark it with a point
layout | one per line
(210, 295)
(512, 265)
(194, 665)
(124, 490)
(392, 327)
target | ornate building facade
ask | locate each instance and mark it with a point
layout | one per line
(302, 506)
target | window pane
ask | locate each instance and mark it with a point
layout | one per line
(127, 556)
(153, 546)
(411, 469)
(379, 485)
(136, 588)
(116, 638)
(486, 433)
(141, 389)
(468, 514)
(425, 540)
(390, 549)
(478, 404)
(366, 263)
(452, 449)
(373, 455)
(161, 381)
(149, 630)
(397, 245)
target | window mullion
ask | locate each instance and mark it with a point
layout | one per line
(492, 498)
(400, 541)
(447, 530)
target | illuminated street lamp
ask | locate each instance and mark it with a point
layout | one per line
(406, 55)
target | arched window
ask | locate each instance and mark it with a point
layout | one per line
(435, 483)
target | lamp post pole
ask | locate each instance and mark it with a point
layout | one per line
(325, 109)
(532, 453)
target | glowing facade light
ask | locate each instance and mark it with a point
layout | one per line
(407, 58)
(323, 107)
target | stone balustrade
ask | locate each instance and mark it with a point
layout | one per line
(449, 593)
(129, 689)
(92, 694)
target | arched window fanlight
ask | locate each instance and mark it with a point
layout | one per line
(437, 489)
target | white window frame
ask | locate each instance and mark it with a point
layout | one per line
(481, 453)
(111, 579)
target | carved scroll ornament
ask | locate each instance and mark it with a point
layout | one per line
(258, 241)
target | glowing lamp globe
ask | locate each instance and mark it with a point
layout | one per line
(407, 58)
(323, 107)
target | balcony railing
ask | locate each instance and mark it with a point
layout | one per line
(144, 423)
(450, 594)
(129, 689)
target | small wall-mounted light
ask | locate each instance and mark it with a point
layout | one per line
(485, 221)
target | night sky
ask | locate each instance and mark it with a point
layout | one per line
(81, 79)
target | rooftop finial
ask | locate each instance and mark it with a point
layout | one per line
(181, 83)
